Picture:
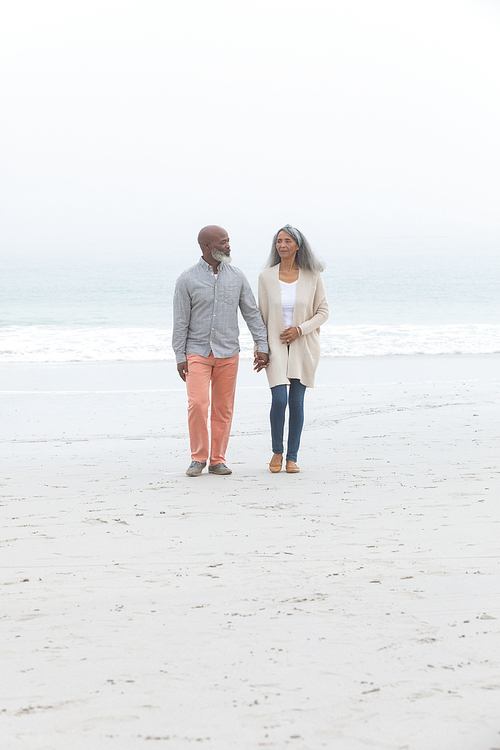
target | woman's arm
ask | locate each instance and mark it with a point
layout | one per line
(320, 309)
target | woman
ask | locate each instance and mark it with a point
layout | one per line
(293, 305)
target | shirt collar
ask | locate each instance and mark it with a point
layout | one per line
(206, 266)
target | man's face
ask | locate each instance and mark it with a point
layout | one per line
(221, 249)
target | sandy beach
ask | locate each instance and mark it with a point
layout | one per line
(355, 605)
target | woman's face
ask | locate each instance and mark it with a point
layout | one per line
(286, 246)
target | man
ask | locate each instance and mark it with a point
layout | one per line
(206, 346)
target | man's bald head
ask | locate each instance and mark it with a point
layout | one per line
(211, 234)
(214, 243)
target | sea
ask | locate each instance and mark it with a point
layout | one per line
(119, 307)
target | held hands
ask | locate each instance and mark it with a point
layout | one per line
(260, 361)
(289, 335)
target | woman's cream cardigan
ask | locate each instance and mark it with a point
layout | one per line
(300, 360)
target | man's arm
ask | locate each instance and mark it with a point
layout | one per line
(261, 361)
(182, 316)
(253, 319)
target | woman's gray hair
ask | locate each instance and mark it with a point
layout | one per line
(305, 257)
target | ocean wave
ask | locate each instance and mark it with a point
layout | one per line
(366, 340)
(107, 344)
(82, 344)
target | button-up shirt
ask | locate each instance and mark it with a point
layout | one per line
(206, 312)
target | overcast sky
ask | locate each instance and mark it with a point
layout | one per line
(129, 124)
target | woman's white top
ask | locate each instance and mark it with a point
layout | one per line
(288, 294)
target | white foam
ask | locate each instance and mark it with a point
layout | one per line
(108, 343)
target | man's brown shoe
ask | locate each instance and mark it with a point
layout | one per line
(220, 469)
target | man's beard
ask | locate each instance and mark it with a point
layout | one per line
(221, 257)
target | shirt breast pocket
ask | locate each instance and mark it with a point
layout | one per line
(230, 295)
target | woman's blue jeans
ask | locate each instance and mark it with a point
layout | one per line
(295, 399)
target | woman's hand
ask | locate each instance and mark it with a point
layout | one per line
(289, 335)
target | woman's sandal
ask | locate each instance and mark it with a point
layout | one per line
(276, 467)
(292, 468)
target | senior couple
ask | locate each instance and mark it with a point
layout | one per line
(285, 325)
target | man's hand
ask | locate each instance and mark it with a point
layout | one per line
(260, 361)
(182, 369)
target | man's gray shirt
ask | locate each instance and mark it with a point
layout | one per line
(206, 312)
